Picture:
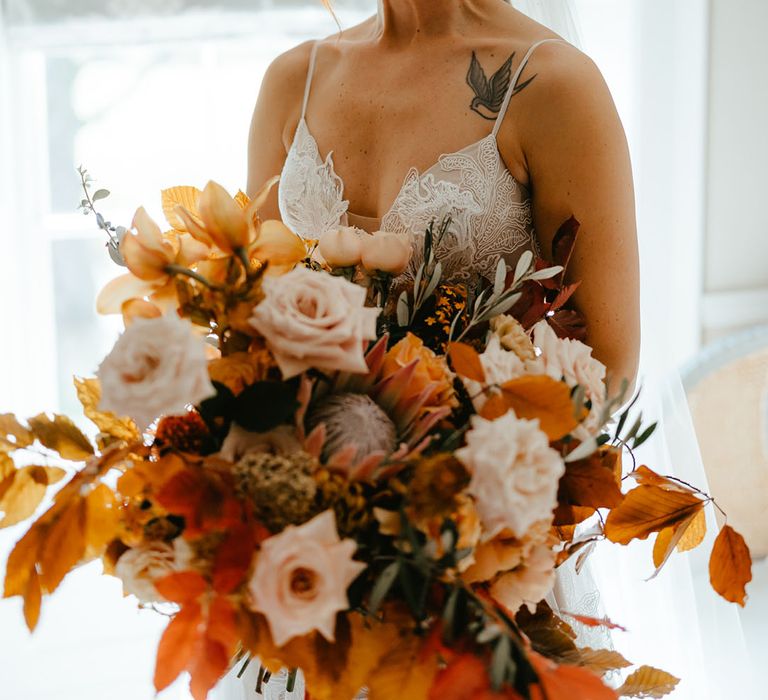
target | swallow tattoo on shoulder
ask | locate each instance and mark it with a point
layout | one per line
(489, 93)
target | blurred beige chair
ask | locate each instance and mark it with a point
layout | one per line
(727, 389)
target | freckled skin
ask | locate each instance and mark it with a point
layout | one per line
(385, 100)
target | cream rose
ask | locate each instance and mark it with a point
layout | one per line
(158, 366)
(529, 583)
(140, 567)
(571, 361)
(313, 319)
(515, 473)
(341, 247)
(500, 366)
(301, 577)
(386, 252)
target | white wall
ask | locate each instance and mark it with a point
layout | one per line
(736, 248)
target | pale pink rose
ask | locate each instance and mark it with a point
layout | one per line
(313, 319)
(529, 583)
(571, 361)
(342, 247)
(301, 578)
(158, 366)
(500, 366)
(515, 473)
(386, 252)
(139, 568)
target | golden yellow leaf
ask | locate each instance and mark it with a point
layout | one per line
(89, 394)
(23, 491)
(649, 509)
(598, 660)
(63, 546)
(466, 362)
(730, 566)
(694, 534)
(61, 435)
(13, 434)
(102, 517)
(402, 673)
(184, 196)
(648, 682)
(668, 539)
(540, 396)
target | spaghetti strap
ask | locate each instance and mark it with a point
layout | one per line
(310, 73)
(516, 79)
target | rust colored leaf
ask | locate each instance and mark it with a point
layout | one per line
(667, 540)
(648, 682)
(233, 559)
(495, 407)
(590, 484)
(183, 587)
(730, 566)
(64, 545)
(466, 362)
(649, 509)
(647, 477)
(567, 516)
(543, 398)
(33, 598)
(21, 563)
(569, 323)
(465, 677)
(595, 621)
(569, 682)
(177, 645)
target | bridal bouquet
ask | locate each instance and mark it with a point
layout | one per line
(306, 461)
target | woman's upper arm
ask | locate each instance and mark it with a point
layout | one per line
(274, 120)
(578, 161)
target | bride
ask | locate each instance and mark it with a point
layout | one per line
(466, 108)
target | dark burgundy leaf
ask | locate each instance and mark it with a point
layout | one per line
(564, 295)
(568, 323)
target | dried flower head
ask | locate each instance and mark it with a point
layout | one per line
(281, 487)
(513, 337)
(437, 482)
(185, 433)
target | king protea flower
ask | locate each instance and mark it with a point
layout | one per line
(411, 396)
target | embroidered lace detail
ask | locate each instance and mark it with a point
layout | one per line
(490, 211)
(311, 193)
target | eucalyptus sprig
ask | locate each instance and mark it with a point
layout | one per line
(88, 206)
(500, 298)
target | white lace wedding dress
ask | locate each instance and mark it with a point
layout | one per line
(491, 218)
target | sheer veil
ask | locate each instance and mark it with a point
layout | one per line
(559, 15)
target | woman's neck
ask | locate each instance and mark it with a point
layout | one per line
(404, 21)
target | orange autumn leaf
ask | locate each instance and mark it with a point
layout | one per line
(63, 546)
(589, 484)
(61, 435)
(494, 407)
(543, 398)
(569, 682)
(177, 645)
(649, 509)
(594, 621)
(183, 587)
(667, 540)
(567, 516)
(102, 516)
(233, 559)
(647, 477)
(33, 599)
(403, 671)
(466, 362)
(730, 566)
(22, 491)
(464, 677)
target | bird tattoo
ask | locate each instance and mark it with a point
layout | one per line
(489, 94)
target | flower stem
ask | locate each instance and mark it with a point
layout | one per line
(186, 272)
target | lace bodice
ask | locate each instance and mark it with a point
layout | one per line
(490, 211)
